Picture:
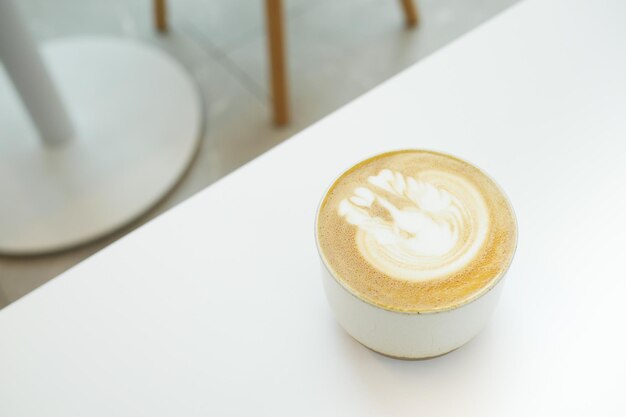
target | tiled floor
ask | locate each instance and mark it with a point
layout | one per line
(338, 49)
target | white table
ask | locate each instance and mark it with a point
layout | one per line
(216, 308)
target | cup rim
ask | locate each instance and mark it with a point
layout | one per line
(483, 291)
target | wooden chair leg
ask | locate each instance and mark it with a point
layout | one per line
(410, 13)
(160, 15)
(276, 45)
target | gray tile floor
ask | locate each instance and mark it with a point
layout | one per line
(338, 49)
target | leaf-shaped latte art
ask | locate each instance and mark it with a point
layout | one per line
(416, 228)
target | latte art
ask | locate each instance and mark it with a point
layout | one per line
(422, 230)
(428, 225)
(416, 231)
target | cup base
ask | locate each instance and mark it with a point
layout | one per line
(402, 358)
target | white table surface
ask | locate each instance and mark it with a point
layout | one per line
(216, 307)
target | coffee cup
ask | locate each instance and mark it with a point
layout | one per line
(414, 246)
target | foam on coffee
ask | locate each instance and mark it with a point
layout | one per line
(416, 231)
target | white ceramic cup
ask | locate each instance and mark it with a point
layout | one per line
(407, 335)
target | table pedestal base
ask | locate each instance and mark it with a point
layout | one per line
(138, 119)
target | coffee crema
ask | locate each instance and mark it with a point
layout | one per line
(416, 231)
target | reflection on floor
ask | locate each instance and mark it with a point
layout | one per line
(337, 50)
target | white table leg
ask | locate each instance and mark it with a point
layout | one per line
(24, 66)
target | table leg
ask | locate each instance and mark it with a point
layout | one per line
(26, 69)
